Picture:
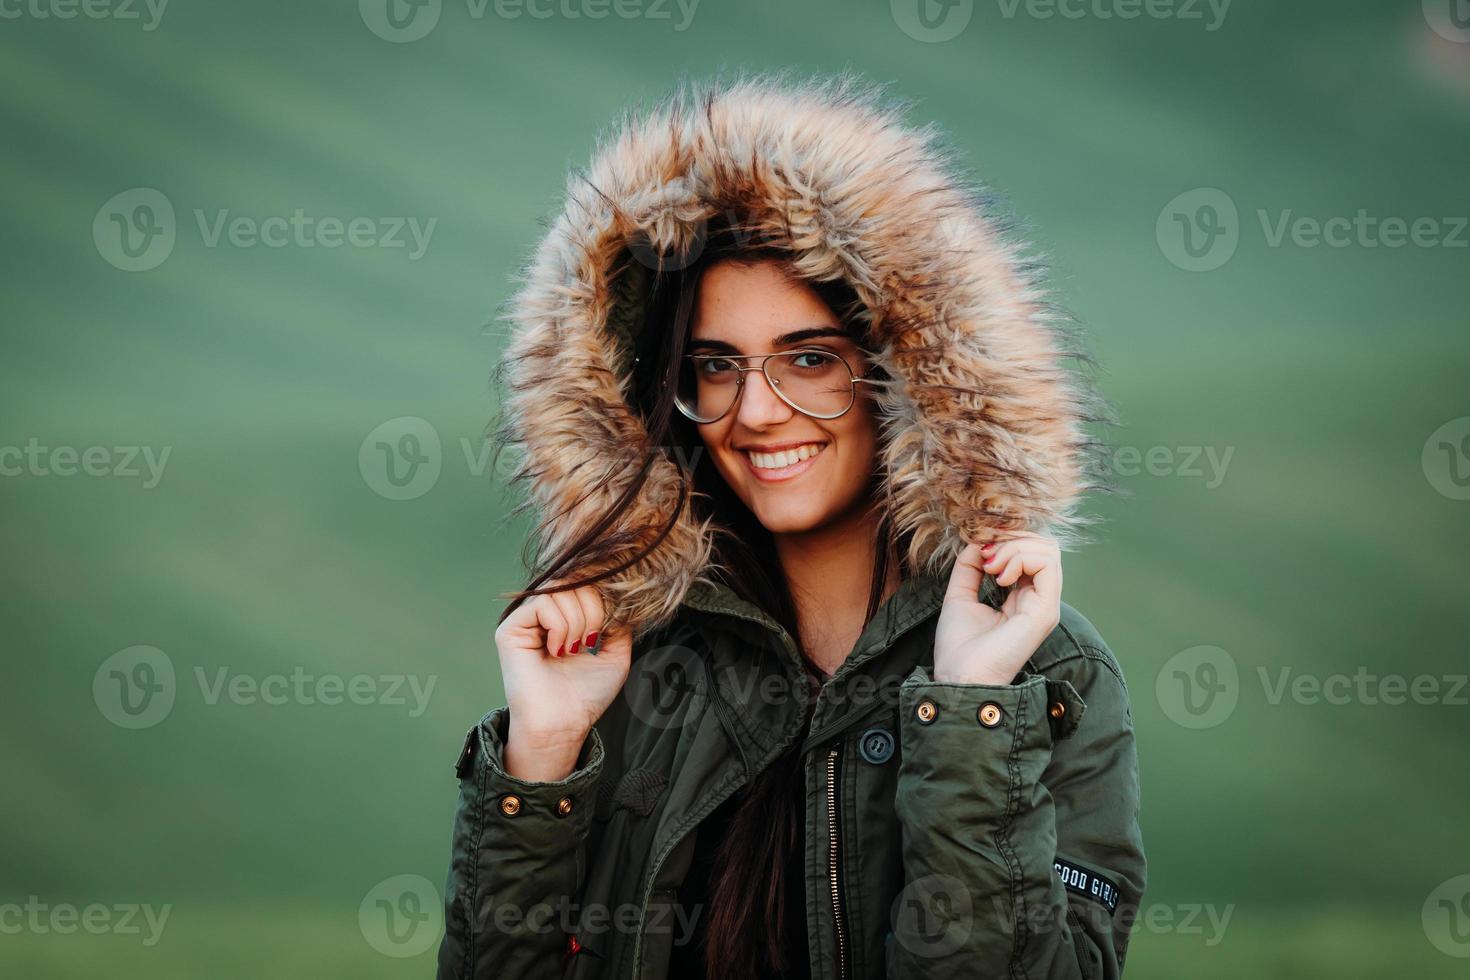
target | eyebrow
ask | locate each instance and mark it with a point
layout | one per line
(786, 339)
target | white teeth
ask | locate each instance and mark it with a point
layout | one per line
(787, 457)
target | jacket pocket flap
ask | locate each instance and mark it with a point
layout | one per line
(637, 790)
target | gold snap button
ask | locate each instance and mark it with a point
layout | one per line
(510, 804)
(564, 806)
(927, 712)
(990, 714)
(1058, 709)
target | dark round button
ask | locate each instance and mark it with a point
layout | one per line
(876, 746)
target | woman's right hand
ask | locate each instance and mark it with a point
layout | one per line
(556, 690)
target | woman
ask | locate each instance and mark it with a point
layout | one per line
(793, 692)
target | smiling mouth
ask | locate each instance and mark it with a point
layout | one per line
(785, 464)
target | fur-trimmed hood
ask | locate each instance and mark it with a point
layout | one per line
(981, 425)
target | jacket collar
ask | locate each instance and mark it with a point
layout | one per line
(917, 598)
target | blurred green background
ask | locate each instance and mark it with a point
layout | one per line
(1328, 539)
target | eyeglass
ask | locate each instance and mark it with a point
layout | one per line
(818, 383)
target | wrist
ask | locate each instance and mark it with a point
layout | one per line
(980, 676)
(540, 755)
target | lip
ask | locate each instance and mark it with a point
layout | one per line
(787, 472)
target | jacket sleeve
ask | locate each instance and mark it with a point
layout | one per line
(517, 861)
(1019, 808)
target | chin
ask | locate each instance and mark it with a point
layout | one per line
(791, 520)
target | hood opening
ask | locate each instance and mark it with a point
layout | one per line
(981, 414)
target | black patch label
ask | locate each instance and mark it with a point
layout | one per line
(1087, 883)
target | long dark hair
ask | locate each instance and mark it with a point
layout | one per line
(748, 918)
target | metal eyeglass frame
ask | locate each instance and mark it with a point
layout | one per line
(771, 382)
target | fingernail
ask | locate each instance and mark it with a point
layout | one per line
(575, 644)
(592, 639)
(560, 650)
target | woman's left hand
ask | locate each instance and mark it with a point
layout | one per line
(974, 643)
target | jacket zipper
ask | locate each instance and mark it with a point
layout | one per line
(833, 856)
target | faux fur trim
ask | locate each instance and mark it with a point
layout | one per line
(981, 426)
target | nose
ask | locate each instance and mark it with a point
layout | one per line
(760, 406)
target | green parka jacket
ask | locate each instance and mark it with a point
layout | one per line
(952, 830)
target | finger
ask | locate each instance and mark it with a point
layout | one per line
(1042, 564)
(1018, 562)
(1048, 578)
(965, 578)
(566, 601)
(551, 618)
(1001, 553)
(590, 600)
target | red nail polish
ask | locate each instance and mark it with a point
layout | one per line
(592, 639)
(560, 650)
(575, 644)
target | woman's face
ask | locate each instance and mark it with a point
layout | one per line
(755, 309)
